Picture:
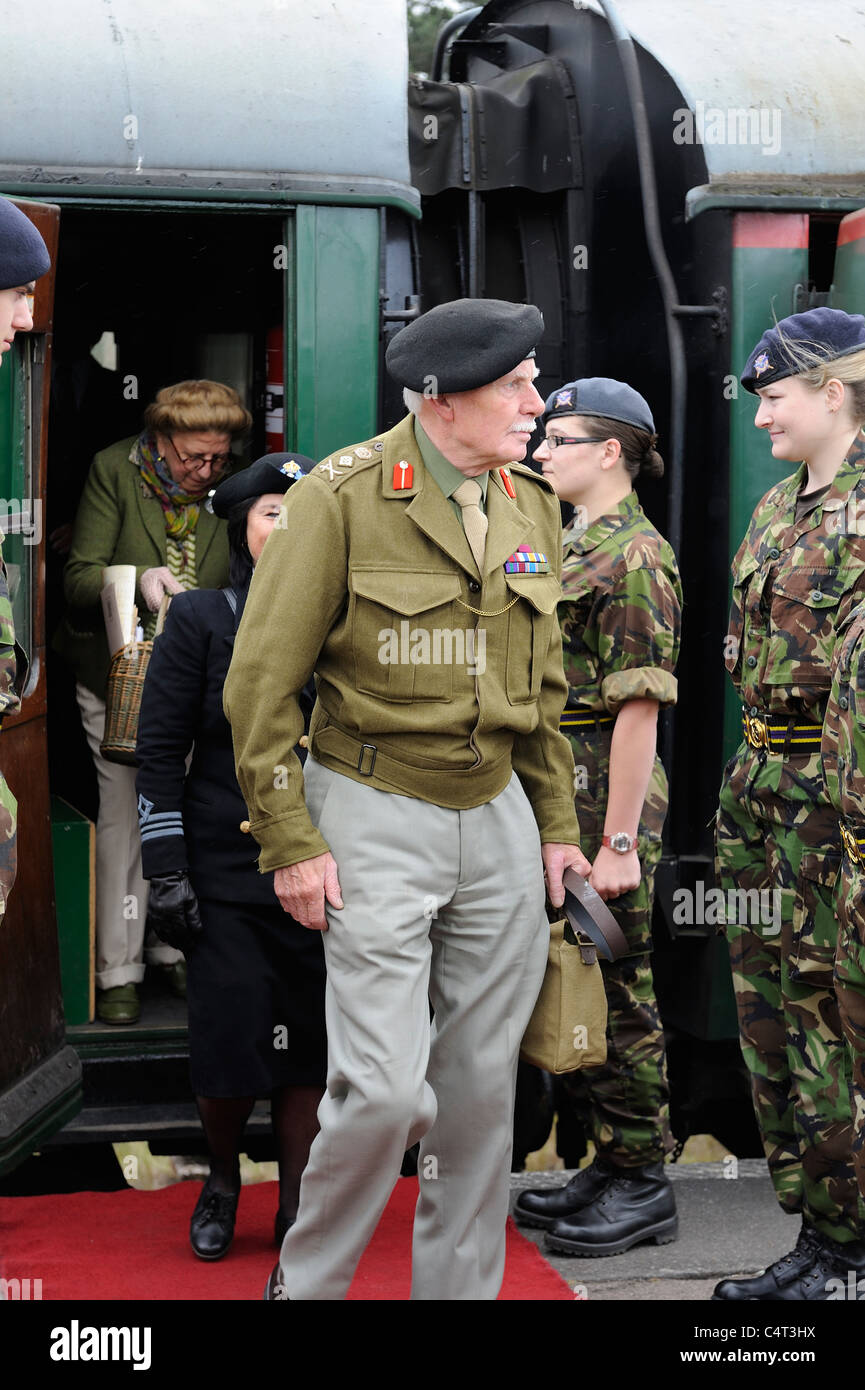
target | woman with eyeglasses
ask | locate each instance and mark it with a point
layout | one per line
(620, 617)
(143, 505)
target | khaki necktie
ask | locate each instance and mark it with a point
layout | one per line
(468, 495)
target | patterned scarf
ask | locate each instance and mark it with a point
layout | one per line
(181, 509)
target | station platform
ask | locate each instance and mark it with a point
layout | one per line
(729, 1224)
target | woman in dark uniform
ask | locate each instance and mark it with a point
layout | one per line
(255, 977)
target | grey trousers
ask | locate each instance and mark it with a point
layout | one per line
(445, 908)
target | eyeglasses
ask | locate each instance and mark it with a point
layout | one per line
(555, 441)
(198, 461)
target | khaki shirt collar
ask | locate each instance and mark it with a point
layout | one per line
(441, 469)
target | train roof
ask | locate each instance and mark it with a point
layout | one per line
(306, 96)
(793, 64)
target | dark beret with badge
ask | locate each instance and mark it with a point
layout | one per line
(602, 396)
(270, 473)
(827, 333)
(463, 345)
(23, 253)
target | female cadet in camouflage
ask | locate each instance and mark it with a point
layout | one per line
(620, 619)
(843, 752)
(796, 576)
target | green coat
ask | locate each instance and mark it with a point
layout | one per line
(120, 522)
(375, 589)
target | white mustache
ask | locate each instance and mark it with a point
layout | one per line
(519, 428)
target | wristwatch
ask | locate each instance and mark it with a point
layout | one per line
(620, 842)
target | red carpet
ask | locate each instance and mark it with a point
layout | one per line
(134, 1245)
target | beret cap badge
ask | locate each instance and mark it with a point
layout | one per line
(762, 364)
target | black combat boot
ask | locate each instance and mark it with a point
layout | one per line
(636, 1205)
(837, 1273)
(783, 1273)
(541, 1206)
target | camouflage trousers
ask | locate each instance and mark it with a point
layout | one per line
(777, 836)
(850, 989)
(626, 1102)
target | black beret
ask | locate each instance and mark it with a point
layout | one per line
(601, 395)
(828, 333)
(270, 473)
(464, 344)
(23, 253)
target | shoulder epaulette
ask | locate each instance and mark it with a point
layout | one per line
(346, 463)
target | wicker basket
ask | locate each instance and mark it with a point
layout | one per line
(123, 697)
(123, 702)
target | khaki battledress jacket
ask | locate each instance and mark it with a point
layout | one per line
(433, 681)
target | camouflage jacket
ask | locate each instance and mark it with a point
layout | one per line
(843, 744)
(621, 611)
(793, 585)
(9, 703)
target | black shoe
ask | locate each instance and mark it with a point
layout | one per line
(541, 1206)
(274, 1289)
(211, 1229)
(834, 1274)
(636, 1205)
(281, 1225)
(778, 1276)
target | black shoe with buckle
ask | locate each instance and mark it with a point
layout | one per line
(778, 1276)
(636, 1205)
(274, 1290)
(543, 1206)
(211, 1229)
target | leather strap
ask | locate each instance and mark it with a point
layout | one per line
(588, 913)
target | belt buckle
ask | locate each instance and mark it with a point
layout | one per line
(848, 839)
(756, 730)
(366, 748)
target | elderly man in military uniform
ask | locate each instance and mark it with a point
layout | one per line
(417, 575)
(23, 258)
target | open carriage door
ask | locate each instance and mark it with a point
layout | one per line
(40, 1077)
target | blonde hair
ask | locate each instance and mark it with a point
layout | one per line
(813, 368)
(196, 407)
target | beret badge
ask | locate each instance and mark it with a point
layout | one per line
(762, 364)
(292, 469)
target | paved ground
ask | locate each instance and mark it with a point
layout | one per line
(729, 1223)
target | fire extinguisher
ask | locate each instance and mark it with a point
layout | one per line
(274, 420)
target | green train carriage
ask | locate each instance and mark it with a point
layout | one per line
(611, 163)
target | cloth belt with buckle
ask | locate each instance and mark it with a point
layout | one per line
(580, 719)
(854, 846)
(778, 735)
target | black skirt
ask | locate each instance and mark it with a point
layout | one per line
(256, 1002)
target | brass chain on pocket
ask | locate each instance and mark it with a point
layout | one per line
(479, 612)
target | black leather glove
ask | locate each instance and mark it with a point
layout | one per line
(172, 911)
